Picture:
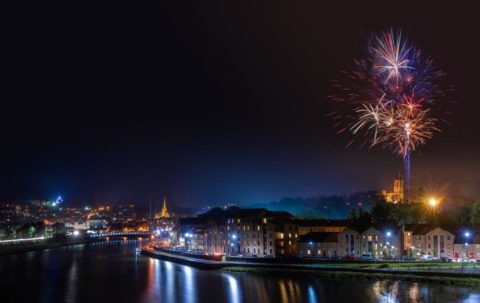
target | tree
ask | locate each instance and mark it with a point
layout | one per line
(475, 213)
(31, 231)
(352, 215)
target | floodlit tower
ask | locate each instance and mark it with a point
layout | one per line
(164, 213)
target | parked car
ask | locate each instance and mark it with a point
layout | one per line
(467, 260)
(408, 258)
(446, 259)
(368, 257)
(426, 258)
(349, 258)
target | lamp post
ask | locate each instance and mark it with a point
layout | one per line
(433, 203)
(467, 236)
(387, 244)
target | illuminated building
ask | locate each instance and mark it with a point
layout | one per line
(164, 213)
(397, 195)
(423, 239)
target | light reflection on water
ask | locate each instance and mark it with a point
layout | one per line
(112, 272)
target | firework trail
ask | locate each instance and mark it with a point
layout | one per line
(389, 96)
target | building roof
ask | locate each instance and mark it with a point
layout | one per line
(423, 229)
(250, 212)
(319, 237)
(323, 222)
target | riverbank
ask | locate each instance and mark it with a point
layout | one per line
(431, 277)
(41, 245)
(440, 273)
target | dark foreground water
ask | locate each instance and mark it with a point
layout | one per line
(113, 272)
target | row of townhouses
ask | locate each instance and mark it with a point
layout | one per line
(263, 233)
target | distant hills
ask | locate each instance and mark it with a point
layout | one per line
(332, 207)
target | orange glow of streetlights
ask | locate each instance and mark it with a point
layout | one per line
(432, 202)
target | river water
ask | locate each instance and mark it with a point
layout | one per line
(113, 272)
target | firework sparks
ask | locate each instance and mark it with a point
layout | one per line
(389, 96)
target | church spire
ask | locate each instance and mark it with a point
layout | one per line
(164, 213)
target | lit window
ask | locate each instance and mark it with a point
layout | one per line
(281, 235)
(265, 220)
(308, 251)
(296, 236)
(258, 227)
(289, 235)
(289, 242)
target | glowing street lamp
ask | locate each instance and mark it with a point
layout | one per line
(433, 202)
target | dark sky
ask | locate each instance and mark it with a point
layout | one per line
(211, 103)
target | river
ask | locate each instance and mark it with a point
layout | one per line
(113, 272)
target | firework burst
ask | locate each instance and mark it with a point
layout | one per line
(389, 96)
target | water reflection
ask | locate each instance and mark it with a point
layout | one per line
(72, 283)
(190, 289)
(234, 294)
(113, 272)
(312, 297)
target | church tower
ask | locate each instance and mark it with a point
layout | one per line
(164, 213)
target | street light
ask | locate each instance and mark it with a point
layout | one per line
(433, 202)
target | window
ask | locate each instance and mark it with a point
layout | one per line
(238, 220)
(289, 235)
(369, 238)
(258, 227)
(296, 235)
(271, 243)
(271, 251)
(308, 252)
(319, 252)
(265, 220)
(289, 242)
(281, 235)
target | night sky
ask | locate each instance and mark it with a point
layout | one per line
(207, 104)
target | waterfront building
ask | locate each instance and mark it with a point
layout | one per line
(322, 226)
(318, 244)
(423, 239)
(382, 241)
(259, 232)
